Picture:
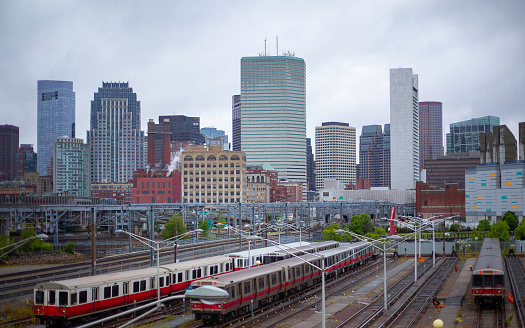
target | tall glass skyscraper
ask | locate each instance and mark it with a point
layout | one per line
(273, 114)
(115, 139)
(55, 117)
(464, 135)
(404, 124)
(374, 155)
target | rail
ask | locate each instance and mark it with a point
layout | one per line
(517, 283)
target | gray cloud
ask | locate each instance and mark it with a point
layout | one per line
(184, 57)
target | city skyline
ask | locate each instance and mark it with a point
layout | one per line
(467, 58)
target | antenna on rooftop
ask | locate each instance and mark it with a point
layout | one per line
(265, 46)
(277, 45)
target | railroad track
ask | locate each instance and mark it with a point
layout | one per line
(22, 322)
(373, 310)
(305, 300)
(409, 312)
(517, 282)
(490, 316)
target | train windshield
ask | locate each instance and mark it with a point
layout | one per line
(498, 281)
(39, 297)
(477, 280)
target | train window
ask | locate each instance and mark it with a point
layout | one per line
(125, 288)
(73, 299)
(290, 274)
(194, 274)
(82, 297)
(307, 269)
(161, 281)
(261, 283)
(487, 281)
(39, 297)
(179, 277)
(477, 280)
(239, 263)
(143, 285)
(227, 267)
(62, 298)
(232, 292)
(298, 271)
(199, 272)
(95, 294)
(153, 283)
(114, 291)
(51, 297)
(274, 279)
(498, 281)
(246, 288)
(136, 287)
(107, 292)
(168, 280)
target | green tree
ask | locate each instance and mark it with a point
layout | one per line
(511, 219)
(454, 227)
(500, 230)
(520, 230)
(169, 228)
(477, 234)
(484, 225)
(378, 233)
(204, 226)
(330, 234)
(70, 248)
(361, 224)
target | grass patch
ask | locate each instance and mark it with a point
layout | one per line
(13, 311)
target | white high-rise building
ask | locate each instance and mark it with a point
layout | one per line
(404, 128)
(335, 153)
(71, 167)
(273, 114)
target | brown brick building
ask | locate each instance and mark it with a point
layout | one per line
(434, 201)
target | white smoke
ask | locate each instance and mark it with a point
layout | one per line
(175, 162)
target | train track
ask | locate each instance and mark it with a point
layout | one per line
(517, 282)
(409, 312)
(22, 284)
(490, 316)
(373, 310)
(306, 296)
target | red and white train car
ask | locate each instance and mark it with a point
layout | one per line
(488, 283)
(270, 282)
(61, 302)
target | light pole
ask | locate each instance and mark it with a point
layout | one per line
(384, 249)
(281, 224)
(413, 228)
(23, 242)
(149, 242)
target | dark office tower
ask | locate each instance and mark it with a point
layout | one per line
(374, 155)
(55, 117)
(26, 160)
(236, 122)
(8, 152)
(115, 139)
(310, 165)
(159, 145)
(430, 131)
(464, 135)
(185, 129)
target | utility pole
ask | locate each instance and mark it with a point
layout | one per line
(94, 242)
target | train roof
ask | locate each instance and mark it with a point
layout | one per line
(194, 263)
(490, 256)
(107, 278)
(264, 250)
(246, 274)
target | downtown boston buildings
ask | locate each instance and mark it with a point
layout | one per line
(273, 114)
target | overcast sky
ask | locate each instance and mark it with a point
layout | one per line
(183, 57)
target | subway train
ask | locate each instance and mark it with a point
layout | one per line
(488, 283)
(261, 285)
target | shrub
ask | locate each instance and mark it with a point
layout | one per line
(70, 248)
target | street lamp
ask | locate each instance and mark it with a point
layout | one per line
(281, 224)
(147, 242)
(384, 249)
(322, 269)
(413, 228)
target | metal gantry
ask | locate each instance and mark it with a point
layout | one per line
(56, 219)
